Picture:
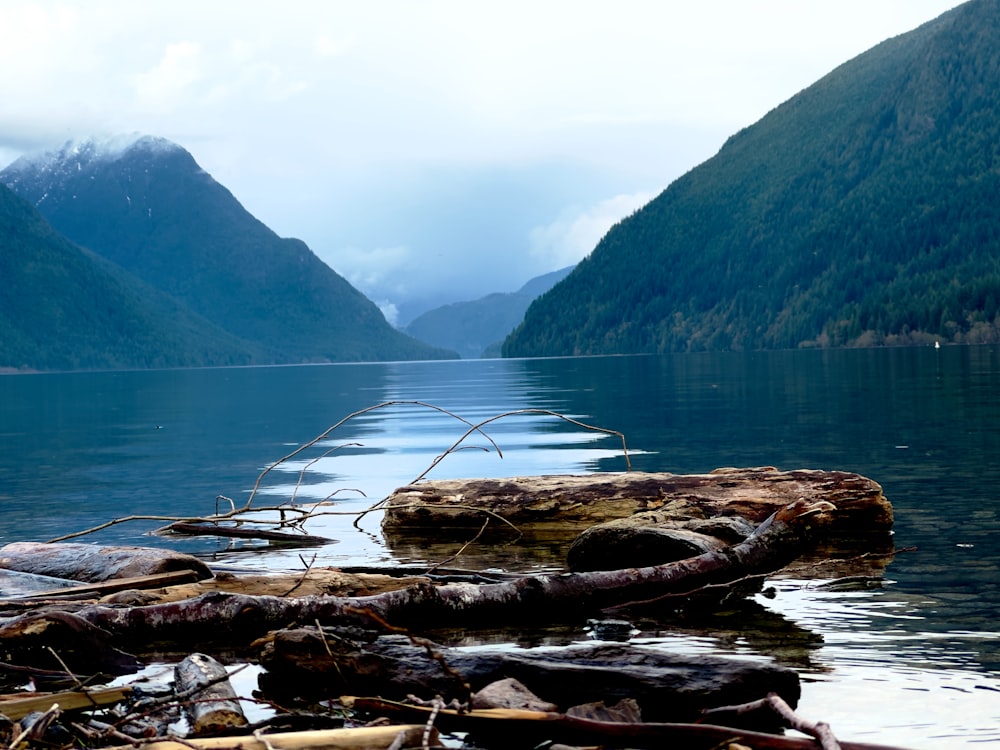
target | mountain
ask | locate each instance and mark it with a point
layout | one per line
(64, 308)
(469, 328)
(863, 211)
(145, 204)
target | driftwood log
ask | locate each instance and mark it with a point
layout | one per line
(211, 704)
(584, 500)
(667, 687)
(94, 564)
(232, 619)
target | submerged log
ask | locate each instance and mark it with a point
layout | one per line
(584, 500)
(667, 687)
(94, 564)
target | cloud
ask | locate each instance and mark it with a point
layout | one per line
(435, 151)
(572, 236)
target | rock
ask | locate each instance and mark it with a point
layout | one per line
(510, 693)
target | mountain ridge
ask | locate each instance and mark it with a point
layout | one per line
(857, 213)
(146, 205)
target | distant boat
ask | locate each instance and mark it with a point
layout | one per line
(937, 344)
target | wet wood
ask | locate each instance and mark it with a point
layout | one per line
(210, 701)
(95, 564)
(584, 500)
(54, 640)
(245, 532)
(666, 686)
(516, 728)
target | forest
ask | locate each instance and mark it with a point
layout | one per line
(858, 213)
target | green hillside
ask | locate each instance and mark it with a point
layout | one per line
(63, 308)
(861, 212)
(148, 207)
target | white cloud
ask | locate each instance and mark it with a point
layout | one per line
(572, 236)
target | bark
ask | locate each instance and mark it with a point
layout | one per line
(667, 687)
(93, 564)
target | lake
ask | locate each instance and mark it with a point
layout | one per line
(915, 663)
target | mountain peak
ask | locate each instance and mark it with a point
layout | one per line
(79, 153)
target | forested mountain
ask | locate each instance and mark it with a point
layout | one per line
(863, 211)
(63, 308)
(147, 206)
(477, 327)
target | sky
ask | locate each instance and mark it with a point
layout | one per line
(429, 151)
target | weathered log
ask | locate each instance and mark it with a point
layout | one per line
(56, 640)
(304, 662)
(514, 728)
(244, 532)
(94, 564)
(583, 500)
(114, 585)
(18, 707)
(211, 704)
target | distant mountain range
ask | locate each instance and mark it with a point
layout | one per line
(186, 275)
(477, 328)
(861, 212)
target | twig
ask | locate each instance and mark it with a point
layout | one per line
(385, 404)
(818, 730)
(458, 554)
(305, 573)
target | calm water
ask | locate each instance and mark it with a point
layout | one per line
(916, 663)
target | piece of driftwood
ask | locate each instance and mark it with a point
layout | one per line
(117, 584)
(313, 582)
(584, 500)
(667, 687)
(211, 704)
(498, 727)
(359, 738)
(69, 700)
(94, 564)
(222, 618)
(245, 532)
